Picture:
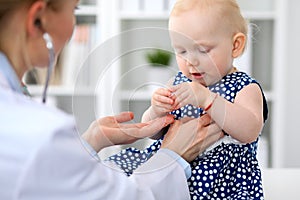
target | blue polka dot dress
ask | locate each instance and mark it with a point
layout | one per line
(228, 169)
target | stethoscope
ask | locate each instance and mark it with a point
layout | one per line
(51, 52)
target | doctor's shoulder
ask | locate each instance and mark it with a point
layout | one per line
(32, 119)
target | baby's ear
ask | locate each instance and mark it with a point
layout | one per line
(239, 43)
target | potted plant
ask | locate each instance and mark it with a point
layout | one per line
(159, 70)
(159, 57)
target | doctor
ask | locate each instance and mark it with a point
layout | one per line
(42, 156)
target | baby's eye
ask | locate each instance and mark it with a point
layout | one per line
(203, 50)
(181, 52)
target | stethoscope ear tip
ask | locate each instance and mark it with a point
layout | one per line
(48, 40)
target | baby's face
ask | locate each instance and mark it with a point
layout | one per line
(203, 46)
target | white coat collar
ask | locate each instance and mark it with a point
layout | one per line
(9, 74)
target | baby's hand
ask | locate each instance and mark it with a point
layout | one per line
(189, 93)
(162, 101)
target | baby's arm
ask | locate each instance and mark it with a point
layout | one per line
(243, 119)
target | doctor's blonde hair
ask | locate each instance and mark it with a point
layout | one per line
(7, 6)
(227, 11)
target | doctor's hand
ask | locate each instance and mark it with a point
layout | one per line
(111, 130)
(190, 137)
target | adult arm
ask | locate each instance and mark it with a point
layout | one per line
(62, 169)
(109, 131)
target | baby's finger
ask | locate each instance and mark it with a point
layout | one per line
(174, 88)
(163, 99)
(163, 108)
(163, 91)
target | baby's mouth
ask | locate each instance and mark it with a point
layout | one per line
(198, 75)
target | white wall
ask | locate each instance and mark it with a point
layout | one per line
(281, 184)
(292, 112)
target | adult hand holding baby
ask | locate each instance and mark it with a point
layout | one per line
(193, 136)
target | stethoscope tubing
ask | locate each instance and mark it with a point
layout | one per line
(50, 47)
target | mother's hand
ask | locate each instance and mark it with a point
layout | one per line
(190, 137)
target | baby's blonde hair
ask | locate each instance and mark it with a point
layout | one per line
(228, 11)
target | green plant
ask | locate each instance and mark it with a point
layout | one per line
(159, 57)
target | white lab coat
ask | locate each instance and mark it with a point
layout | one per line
(42, 157)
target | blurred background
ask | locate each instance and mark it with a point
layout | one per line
(105, 69)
